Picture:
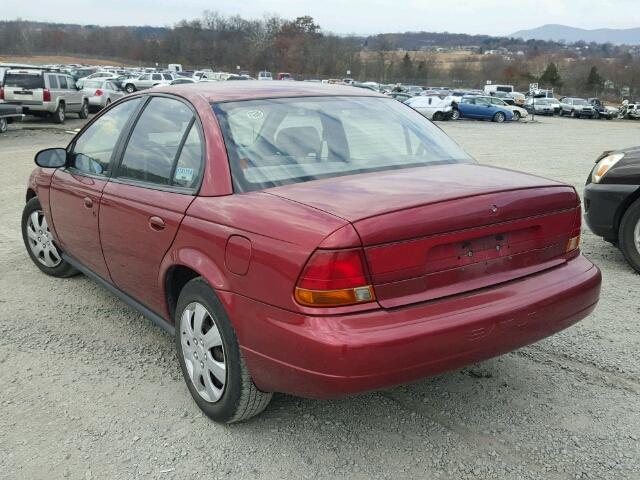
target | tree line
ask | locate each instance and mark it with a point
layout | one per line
(301, 47)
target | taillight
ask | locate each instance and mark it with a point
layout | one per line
(46, 95)
(334, 278)
(99, 93)
(1, 93)
(574, 241)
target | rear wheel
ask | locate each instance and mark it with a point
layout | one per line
(455, 114)
(499, 117)
(210, 358)
(4, 125)
(60, 115)
(629, 235)
(40, 244)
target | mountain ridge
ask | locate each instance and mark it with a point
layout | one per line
(557, 32)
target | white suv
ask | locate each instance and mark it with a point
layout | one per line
(44, 93)
(147, 80)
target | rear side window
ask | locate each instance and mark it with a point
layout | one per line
(157, 142)
(156, 76)
(24, 80)
(53, 82)
(93, 150)
(64, 82)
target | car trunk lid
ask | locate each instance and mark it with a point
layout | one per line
(438, 231)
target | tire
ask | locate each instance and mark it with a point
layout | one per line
(437, 117)
(4, 125)
(60, 115)
(499, 117)
(237, 398)
(573, 114)
(35, 238)
(129, 88)
(455, 114)
(595, 115)
(561, 113)
(629, 235)
(84, 110)
(516, 116)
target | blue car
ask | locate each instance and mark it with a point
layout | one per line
(480, 108)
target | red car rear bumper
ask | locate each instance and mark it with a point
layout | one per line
(325, 357)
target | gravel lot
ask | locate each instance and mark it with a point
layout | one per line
(89, 389)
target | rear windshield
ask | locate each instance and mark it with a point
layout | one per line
(24, 80)
(276, 142)
(93, 83)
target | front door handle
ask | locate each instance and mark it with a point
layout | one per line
(156, 223)
(88, 202)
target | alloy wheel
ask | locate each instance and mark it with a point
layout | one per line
(636, 236)
(41, 241)
(203, 352)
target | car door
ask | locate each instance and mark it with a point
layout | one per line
(146, 200)
(113, 92)
(144, 81)
(71, 95)
(155, 79)
(76, 190)
(467, 107)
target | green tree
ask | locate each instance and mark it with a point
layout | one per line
(594, 81)
(551, 76)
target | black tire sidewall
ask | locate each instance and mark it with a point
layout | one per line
(626, 240)
(64, 269)
(4, 125)
(84, 110)
(499, 117)
(224, 409)
(60, 114)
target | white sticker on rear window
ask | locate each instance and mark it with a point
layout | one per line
(184, 174)
(255, 114)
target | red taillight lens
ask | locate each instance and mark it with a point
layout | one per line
(99, 93)
(334, 278)
(46, 95)
(1, 93)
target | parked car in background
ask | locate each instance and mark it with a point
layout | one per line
(284, 76)
(264, 75)
(120, 79)
(78, 73)
(576, 107)
(9, 114)
(612, 201)
(518, 112)
(540, 106)
(95, 76)
(630, 111)
(147, 80)
(433, 107)
(480, 108)
(181, 81)
(101, 93)
(491, 88)
(45, 93)
(335, 242)
(413, 89)
(400, 96)
(600, 110)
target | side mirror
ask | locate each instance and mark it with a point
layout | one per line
(51, 158)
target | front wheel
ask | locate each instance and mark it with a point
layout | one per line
(437, 117)
(516, 116)
(455, 114)
(4, 125)
(130, 88)
(210, 358)
(84, 111)
(629, 235)
(40, 244)
(499, 117)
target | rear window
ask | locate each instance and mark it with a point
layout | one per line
(93, 83)
(276, 142)
(24, 80)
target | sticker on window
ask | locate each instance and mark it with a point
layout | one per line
(184, 174)
(255, 114)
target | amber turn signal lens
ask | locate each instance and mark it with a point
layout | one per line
(334, 298)
(572, 244)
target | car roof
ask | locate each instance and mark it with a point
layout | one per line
(253, 89)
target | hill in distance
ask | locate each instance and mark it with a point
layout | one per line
(627, 36)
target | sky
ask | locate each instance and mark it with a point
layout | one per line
(493, 17)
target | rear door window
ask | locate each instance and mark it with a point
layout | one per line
(156, 143)
(156, 76)
(53, 81)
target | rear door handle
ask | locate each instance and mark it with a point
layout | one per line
(156, 223)
(88, 202)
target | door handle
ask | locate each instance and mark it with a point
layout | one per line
(156, 223)
(88, 202)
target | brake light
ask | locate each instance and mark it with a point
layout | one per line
(334, 278)
(46, 95)
(99, 93)
(1, 93)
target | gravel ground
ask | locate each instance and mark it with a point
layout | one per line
(91, 390)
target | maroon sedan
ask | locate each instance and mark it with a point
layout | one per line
(308, 239)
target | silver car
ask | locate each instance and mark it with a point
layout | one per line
(101, 93)
(45, 93)
(147, 80)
